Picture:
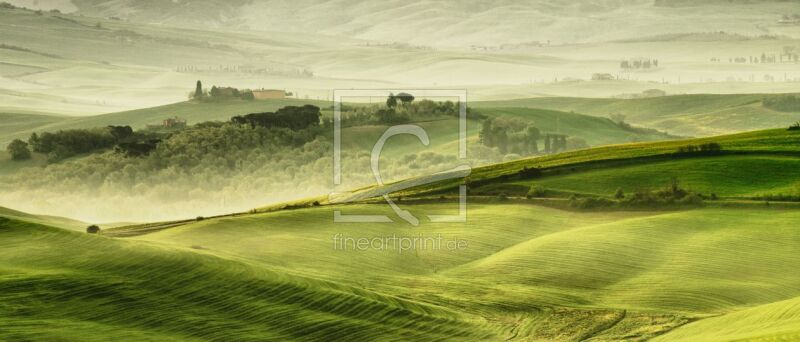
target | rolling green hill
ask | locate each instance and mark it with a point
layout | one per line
(734, 176)
(534, 272)
(559, 21)
(22, 125)
(595, 130)
(138, 291)
(55, 221)
(775, 321)
(594, 170)
(688, 115)
(515, 270)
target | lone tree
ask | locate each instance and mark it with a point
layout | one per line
(198, 91)
(93, 229)
(533, 134)
(391, 101)
(405, 98)
(18, 150)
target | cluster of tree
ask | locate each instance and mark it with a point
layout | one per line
(403, 98)
(221, 93)
(555, 143)
(782, 103)
(788, 54)
(137, 148)
(291, 117)
(795, 126)
(67, 143)
(670, 196)
(237, 167)
(512, 135)
(639, 63)
(18, 150)
(707, 148)
(778, 198)
(399, 109)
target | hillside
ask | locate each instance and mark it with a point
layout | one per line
(22, 125)
(688, 115)
(82, 65)
(592, 171)
(507, 22)
(234, 162)
(717, 272)
(136, 291)
(61, 222)
(564, 297)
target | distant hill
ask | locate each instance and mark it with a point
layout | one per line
(452, 23)
(687, 115)
(22, 125)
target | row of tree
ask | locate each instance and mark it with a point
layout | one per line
(291, 117)
(66, 143)
(220, 93)
(510, 135)
(400, 108)
(640, 63)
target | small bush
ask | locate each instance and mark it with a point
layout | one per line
(536, 191)
(502, 197)
(592, 203)
(692, 199)
(315, 204)
(93, 229)
(619, 194)
(795, 127)
(527, 172)
(707, 148)
(199, 218)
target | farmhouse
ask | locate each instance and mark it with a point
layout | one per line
(264, 94)
(602, 77)
(169, 123)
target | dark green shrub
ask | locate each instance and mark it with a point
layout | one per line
(536, 191)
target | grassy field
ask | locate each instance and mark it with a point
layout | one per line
(595, 130)
(55, 221)
(769, 143)
(138, 291)
(523, 272)
(80, 65)
(688, 115)
(730, 176)
(515, 271)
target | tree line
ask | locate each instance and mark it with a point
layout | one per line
(291, 117)
(67, 143)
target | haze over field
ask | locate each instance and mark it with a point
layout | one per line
(585, 170)
(106, 56)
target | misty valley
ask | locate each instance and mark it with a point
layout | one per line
(433, 170)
